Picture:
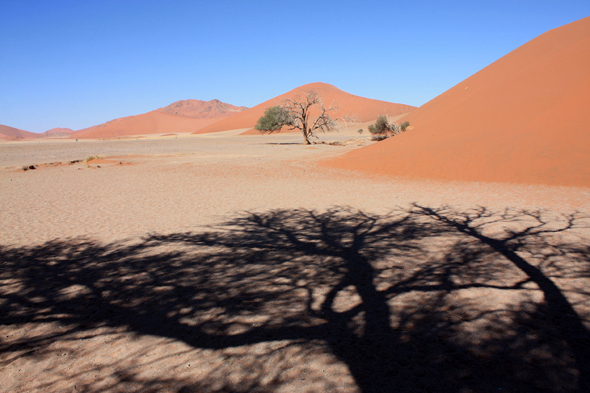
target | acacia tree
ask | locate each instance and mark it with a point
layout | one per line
(305, 113)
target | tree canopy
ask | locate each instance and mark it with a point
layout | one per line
(274, 119)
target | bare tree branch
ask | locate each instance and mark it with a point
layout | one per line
(305, 113)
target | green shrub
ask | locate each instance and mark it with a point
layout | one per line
(382, 129)
(382, 125)
(273, 119)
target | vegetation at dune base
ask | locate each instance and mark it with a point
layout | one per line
(383, 129)
(274, 119)
(306, 113)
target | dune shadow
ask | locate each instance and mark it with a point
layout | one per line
(421, 299)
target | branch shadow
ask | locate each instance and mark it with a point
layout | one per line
(282, 143)
(421, 299)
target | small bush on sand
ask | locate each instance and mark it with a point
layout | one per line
(382, 129)
(90, 158)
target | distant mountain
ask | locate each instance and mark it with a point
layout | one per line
(11, 133)
(57, 133)
(524, 118)
(202, 109)
(364, 109)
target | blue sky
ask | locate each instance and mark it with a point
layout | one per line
(80, 63)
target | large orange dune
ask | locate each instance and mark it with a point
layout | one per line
(525, 118)
(7, 132)
(363, 109)
(184, 116)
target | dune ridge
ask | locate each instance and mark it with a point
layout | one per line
(185, 116)
(364, 109)
(7, 132)
(146, 124)
(522, 119)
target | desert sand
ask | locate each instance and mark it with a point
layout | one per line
(522, 119)
(362, 109)
(452, 258)
(228, 263)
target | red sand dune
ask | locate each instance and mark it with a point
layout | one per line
(364, 109)
(192, 116)
(202, 109)
(11, 133)
(522, 119)
(145, 124)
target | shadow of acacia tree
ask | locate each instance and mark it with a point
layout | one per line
(421, 299)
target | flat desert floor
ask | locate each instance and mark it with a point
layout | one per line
(226, 263)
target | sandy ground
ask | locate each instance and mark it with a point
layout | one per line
(231, 263)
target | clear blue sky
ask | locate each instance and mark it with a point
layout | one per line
(80, 63)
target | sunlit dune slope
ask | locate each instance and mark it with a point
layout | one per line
(363, 109)
(7, 132)
(145, 124)
(523, 119)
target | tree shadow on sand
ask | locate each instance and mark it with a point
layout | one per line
(422, 299)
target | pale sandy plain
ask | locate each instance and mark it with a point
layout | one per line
(229, 263)
(232, 263)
